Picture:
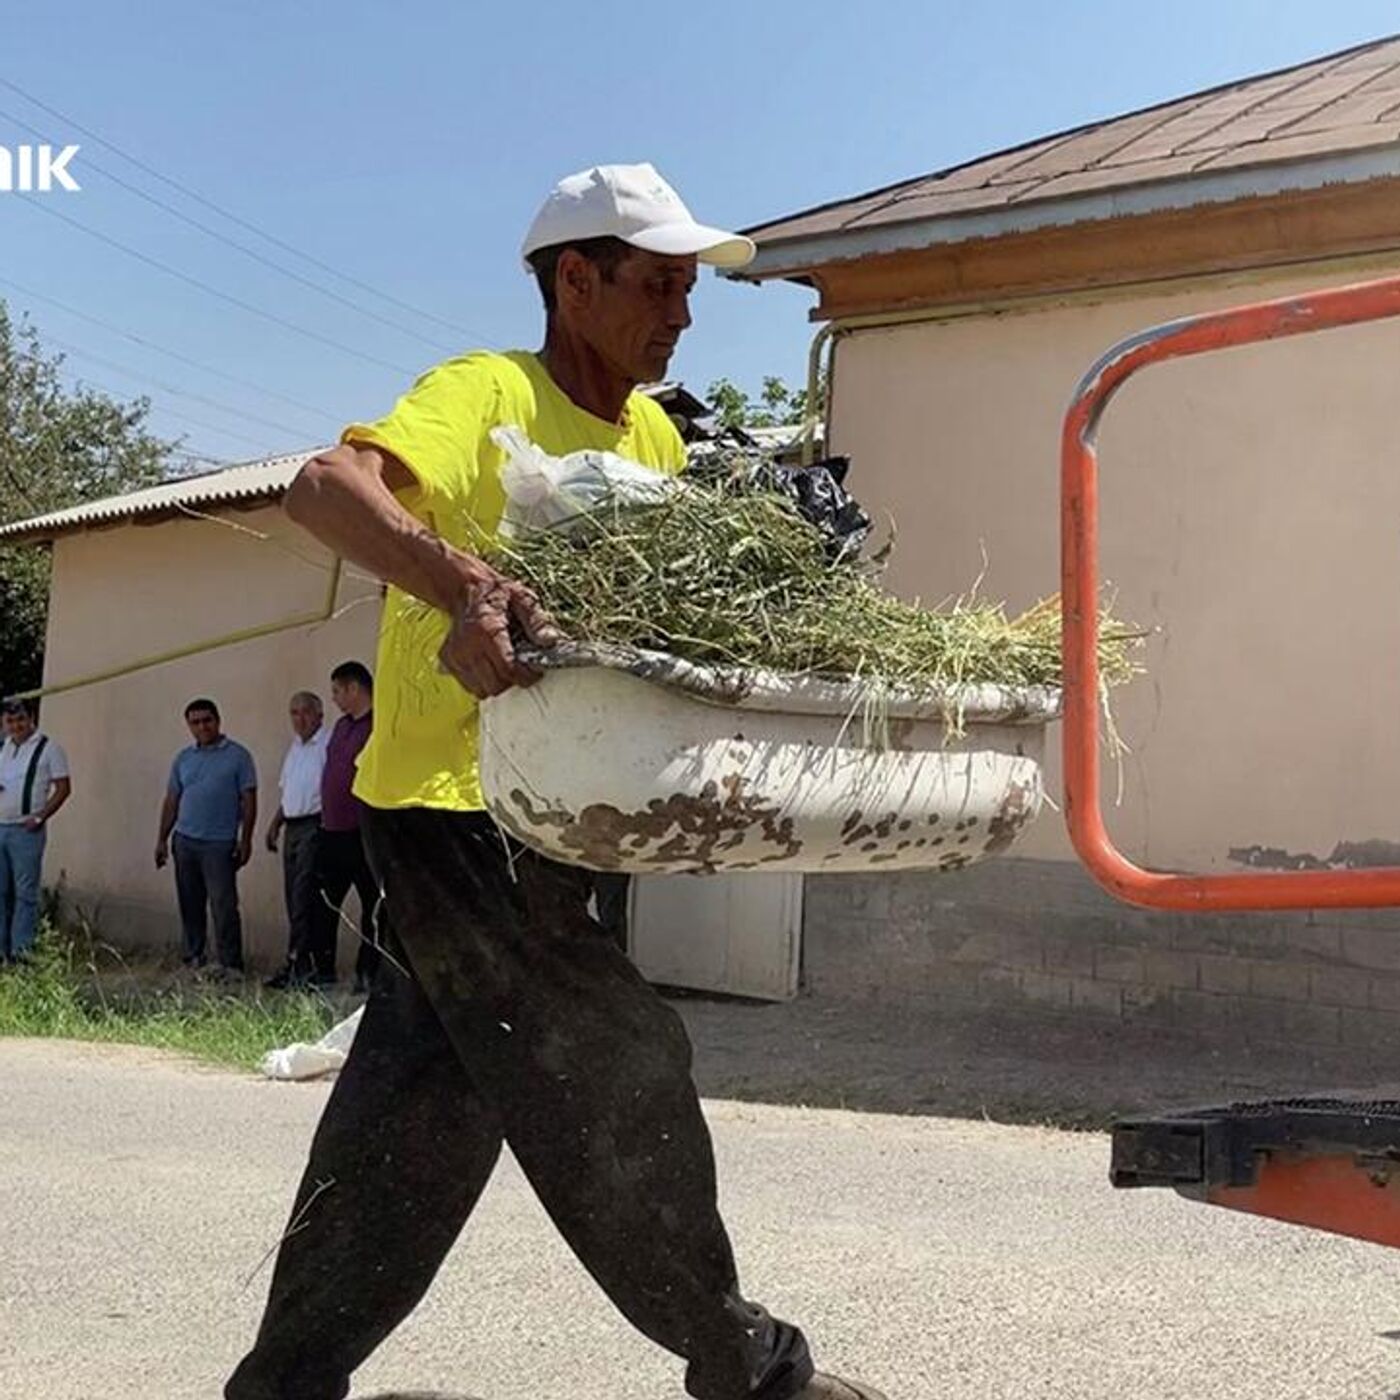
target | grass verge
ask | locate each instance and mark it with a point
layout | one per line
(64, 992)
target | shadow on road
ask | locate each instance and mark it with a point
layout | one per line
(956, 1062)
(418, 1395)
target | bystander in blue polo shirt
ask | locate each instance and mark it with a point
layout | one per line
(208, 783)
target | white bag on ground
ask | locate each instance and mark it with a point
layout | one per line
(544, 491)
(301, 1061)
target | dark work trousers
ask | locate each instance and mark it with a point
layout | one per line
(343, 864)
(301, 887)
(610, 890)
(520, 1021)
(206, 884)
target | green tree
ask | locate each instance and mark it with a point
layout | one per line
(777, 405)
(58, 447)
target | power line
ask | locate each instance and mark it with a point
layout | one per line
(162, 350)
(119, 396)
(185, 277)
(195, 457)
(190, 464)
(227, 214)
(263, 450)
(241, 247)
(173, 389)
(19, 489)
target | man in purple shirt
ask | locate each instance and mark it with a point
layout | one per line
(339, 848)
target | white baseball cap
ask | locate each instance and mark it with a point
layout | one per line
(633, 203)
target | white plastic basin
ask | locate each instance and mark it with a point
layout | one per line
(635, 761)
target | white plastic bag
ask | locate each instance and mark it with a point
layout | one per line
(543, 492)
(302, 1061)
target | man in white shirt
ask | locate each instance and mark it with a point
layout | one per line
(299, 816)
(34, 784)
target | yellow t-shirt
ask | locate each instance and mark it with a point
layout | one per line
(423, 749)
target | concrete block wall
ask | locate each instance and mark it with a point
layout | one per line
(1039, 934)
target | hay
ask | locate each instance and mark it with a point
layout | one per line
(718, 574)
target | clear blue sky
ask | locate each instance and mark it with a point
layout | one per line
(408, 145)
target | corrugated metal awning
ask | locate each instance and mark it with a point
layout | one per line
(245, 484)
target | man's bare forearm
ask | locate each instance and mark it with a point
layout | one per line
(247, 815)
(62, 790)
(345, 498)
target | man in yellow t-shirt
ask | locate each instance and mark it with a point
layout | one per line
(503, 1013)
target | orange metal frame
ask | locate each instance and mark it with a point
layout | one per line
(1196, 335)
(1335, 1192)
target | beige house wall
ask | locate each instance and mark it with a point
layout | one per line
(129, 591)
(1251, 518)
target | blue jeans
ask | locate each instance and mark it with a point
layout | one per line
(21, 858)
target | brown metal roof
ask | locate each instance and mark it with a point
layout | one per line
(1344, 103)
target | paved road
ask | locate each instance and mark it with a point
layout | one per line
(945, 1259)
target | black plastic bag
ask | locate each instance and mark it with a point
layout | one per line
(818, 493)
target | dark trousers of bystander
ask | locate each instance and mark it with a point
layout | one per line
(504, 1014)
(206, 884)
(301, 889)
(342, 866)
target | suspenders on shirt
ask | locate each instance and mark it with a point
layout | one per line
(26, 806)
